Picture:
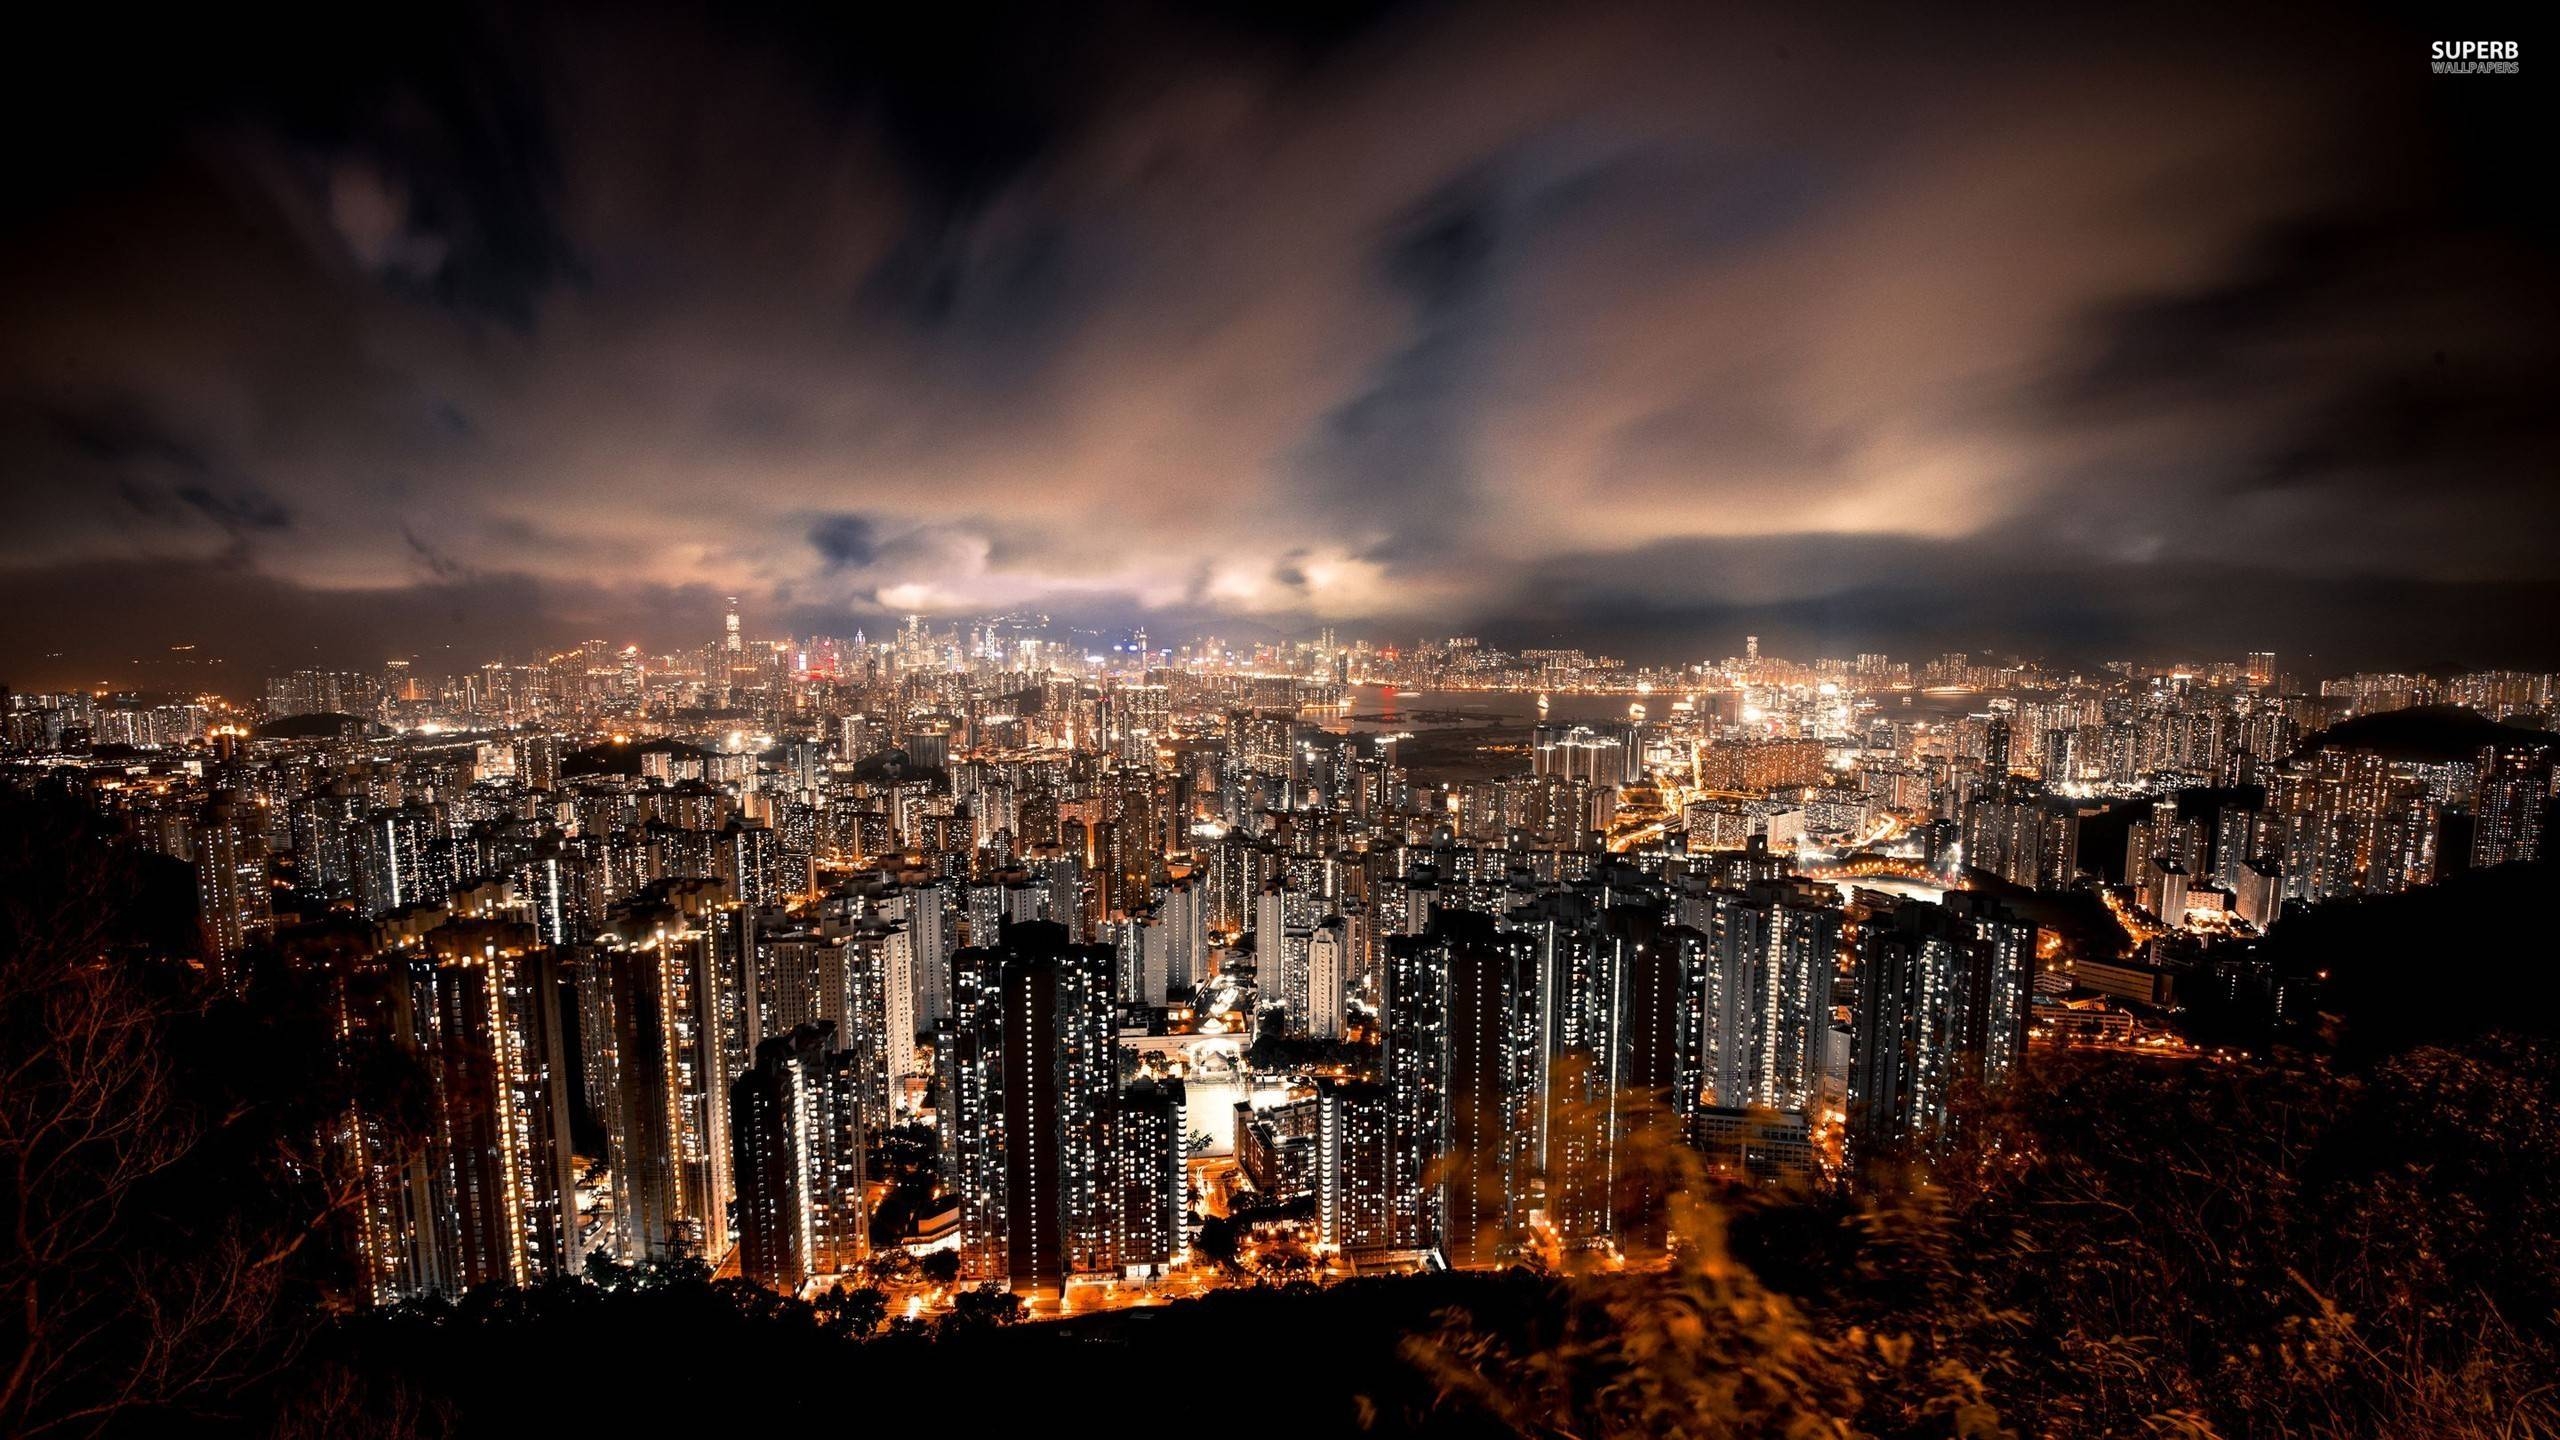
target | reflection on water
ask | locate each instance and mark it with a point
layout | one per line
(1381, 707)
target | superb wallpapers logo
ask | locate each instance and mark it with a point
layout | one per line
(2473, 57)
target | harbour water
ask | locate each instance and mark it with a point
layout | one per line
(1370, 708)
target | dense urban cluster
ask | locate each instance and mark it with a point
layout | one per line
(1103, 968)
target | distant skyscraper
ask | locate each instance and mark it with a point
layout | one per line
(1995, 747)
(1280, 950)
(231, 880)
(880, 1011)
(537, 760)
(552, 881)
(1187, 921)
(323, 692)
(743, 857)
(1328, 976)
(799, 974)
(393, 864)
(2007, 830)
(325, 841)
(928, 925)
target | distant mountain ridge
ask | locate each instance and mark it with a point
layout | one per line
(2426, 732)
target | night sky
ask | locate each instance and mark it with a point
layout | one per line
(2150, 332)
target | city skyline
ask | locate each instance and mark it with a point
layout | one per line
(1699, 662)
(498, 333)
(962, 966)
(1301, 717)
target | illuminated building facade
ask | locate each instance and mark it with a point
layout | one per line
(795, 1125)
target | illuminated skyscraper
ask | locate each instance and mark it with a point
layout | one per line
(968, 1053)
(1571, 1007)
(1995, 747)
(797, 1135)
(552, 881)
(800, 975)
(1654, 1092)
(1771, 949)
(925, 911)
(1328, 979)
(394, 867)
(1280, 937)
(1461, 1058)
(664, 1007)
(2008, 830)
(324, 827)
(1145, 1158)
(2514, 805)
(743, 857)
(877, 1015)
(1356, 1177)
(486, 1198)
(231, 880)
(489, 1027)
(1030, 1076)
(1943, 995)
(1414, 1068)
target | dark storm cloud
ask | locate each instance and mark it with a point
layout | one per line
(2389, 371)
(2005, 593)
(2463, 423)
(968, 98)
(1443, 257)
(2399, 397)
(990, 307)
(438, 166)
(116, 459)
(433, 559)
(426, 139)
(244, 624)
(243, 508)
(120, 435)
(1627, 324)
(844, 541)
(1396, 454)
